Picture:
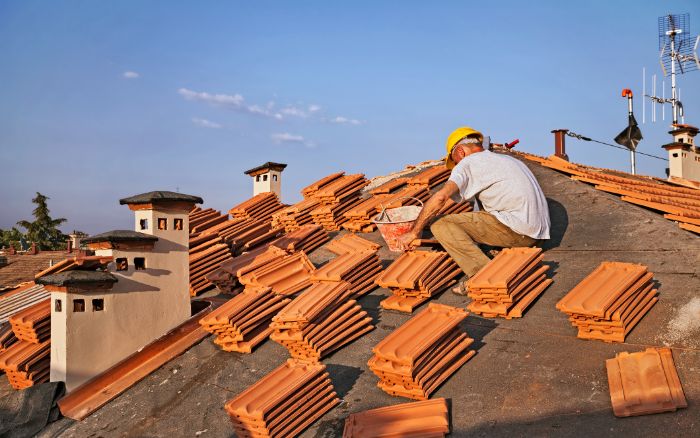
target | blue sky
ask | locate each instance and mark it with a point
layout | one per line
(102, 100)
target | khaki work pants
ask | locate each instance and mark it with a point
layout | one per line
(460, 233)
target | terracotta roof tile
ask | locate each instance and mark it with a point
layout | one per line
(416, 276)
(358, 269)
(349, 243)
(26, 363)
(33, 324)
(508, 284)
(407, 420)
(260, 206)
(653, 193)
(609, 302)
(390, 186)
(319, 321)
(311, 189)
(284, 402)
(243, 322)
(292, 217)
(286, 276)
(421, 354)
(306, 238)
(431, 177)
(645, 382)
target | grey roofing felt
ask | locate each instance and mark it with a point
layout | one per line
(120, 236)
(279, 166)
(530, 377)
(77, 277)
(160, 196)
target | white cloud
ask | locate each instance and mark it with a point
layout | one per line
(204, 123)
(292, 139)
(131, 75)
(345, 121)
(294, 112)
(314, 108)
(231, 101)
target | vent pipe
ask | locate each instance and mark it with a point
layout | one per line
(560, 143)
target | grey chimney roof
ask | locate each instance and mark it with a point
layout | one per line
(116, 236)
(269, 164)
(160, 196)
(70, 278)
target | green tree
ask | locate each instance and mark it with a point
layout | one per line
(44, 229)
(10, 237)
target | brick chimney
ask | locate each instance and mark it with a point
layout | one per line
(560, 143)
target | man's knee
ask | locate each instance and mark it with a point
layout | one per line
(439, 227)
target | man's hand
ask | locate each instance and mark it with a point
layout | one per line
(408, 240)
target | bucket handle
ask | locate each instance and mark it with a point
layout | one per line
(383, 213)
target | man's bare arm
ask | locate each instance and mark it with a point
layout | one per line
(431, 209)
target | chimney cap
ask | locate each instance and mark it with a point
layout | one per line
(119, 236)
(264, 167)
(77, 278)
(161, 196)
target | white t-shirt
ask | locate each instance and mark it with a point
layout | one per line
(507, 189)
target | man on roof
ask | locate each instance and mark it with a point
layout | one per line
(512, 210)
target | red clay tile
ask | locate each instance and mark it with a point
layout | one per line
(349, 243)
(407, 420)
(644, 383)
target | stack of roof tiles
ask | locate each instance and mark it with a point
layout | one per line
(419, 356)
(283, 403)
(306, 238)
(358, 269)
(286, 275)
(416, 276)
(241, 323)
(320, 320)
(79, 262)
(7, 337)
(390, 186)
(204, 259)
(25, 356)
(349, 243)
(429, 418)
(608, 303)
(292, 217)
(33, 324)
(431, 177)
(310, 190)
(645, 382)
(335, 198)
(261, 206)
(679, 203)
(201, 219)
(452, 207)
(509, 283)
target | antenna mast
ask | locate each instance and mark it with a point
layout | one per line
(678, 53)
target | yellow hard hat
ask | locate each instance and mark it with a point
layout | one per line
(454, 138)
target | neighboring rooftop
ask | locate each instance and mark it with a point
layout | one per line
(269, 165)
(160, 196)
(117, 236)
(23, 267)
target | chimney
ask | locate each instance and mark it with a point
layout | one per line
(560, 143)
(267, 178)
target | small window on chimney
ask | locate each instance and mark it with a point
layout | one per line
(162, 223)
(79, 305)
(177, 224)
(274, 177)
(257, 178)
(143, 223)
(122, 264)
(58, 306)
(98, 305)
(264, 177)
(139, 263)
(680, 140)
(675, 155)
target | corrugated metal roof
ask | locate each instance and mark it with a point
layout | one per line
(20, 299)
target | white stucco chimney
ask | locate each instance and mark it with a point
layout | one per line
(267, 178)
(683, 154)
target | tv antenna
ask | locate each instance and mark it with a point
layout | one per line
(678, 54)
